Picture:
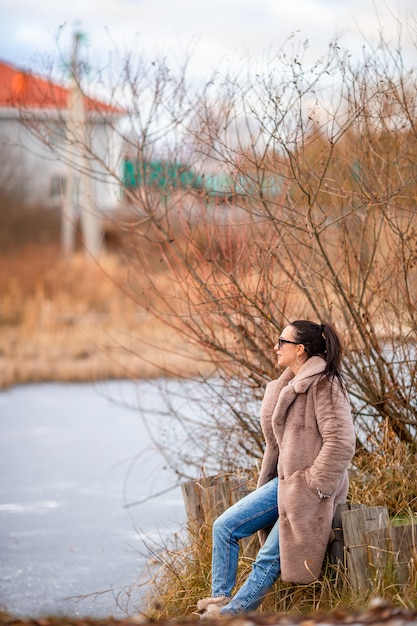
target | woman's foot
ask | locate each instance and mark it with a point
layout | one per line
(211, 607)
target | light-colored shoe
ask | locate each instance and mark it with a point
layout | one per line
(211, 607)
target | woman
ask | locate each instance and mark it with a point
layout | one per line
(307, 424)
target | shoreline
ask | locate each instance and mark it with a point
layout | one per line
(32, 362)
(72, 321)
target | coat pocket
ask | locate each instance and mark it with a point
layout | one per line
(299, 481)
(296, 501)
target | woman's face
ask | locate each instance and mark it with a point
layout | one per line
(289, 353)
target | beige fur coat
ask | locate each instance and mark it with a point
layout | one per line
(310, 442)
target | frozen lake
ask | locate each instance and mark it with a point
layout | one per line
(70, 460)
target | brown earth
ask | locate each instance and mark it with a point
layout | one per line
(379, 612)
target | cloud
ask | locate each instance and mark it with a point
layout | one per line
(219, 30)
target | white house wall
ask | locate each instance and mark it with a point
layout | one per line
(36, 170)
(32, 163)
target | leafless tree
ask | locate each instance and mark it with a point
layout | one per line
(282, 194)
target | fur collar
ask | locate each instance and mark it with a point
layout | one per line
(305, 377)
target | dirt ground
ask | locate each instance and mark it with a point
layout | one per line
(379, 613)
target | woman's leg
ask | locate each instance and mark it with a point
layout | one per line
(264, 573)
(257, 510)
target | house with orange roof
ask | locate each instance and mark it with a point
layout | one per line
(36, 149)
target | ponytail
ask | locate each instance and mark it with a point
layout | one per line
(321, 340)
(333, 354)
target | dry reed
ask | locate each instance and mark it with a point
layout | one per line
(73, 320)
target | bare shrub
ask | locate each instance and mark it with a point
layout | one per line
(301, 203)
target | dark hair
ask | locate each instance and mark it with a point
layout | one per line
(321, 340)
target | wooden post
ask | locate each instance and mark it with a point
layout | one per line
(356, 523)
(393, 552)
(380, 554)
(404, 544)
(337, 554)
(207, 498)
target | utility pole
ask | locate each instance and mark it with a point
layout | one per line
(78, 201)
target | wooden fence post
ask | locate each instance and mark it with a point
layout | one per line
(208, 497)
(394, 550)
(379, 546)
(337, 553)
(356, 523)
(404, 544)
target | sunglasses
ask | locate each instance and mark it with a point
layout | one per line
(281, 341)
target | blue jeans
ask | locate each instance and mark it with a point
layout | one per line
(255, 511)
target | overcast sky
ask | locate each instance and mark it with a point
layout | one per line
(219, 31)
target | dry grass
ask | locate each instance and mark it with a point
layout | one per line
(69, 320)
(179, 575)
(387, 476)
